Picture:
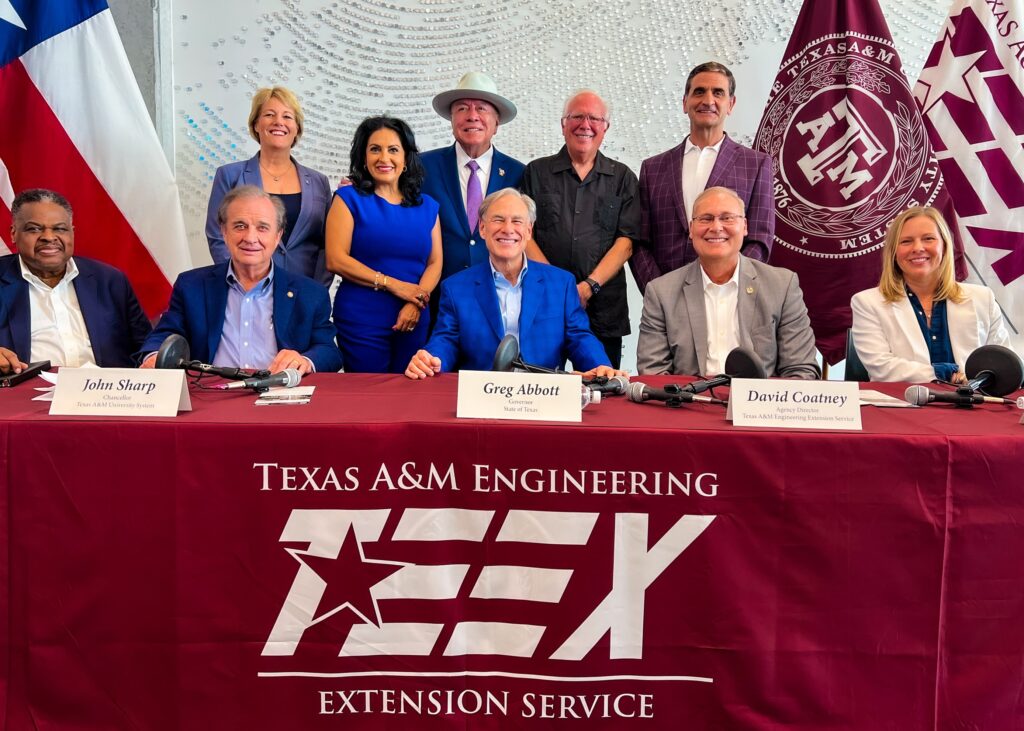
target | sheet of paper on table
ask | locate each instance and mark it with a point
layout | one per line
(871, 397)
(281, 395)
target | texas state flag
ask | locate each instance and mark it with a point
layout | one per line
(75, 122)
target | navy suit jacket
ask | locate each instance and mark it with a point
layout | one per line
(304, 251)
(302, 311)
(461, 244)
(552, 325)
(665, 243)
(113, 317)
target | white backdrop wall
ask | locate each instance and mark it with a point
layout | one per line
(348, 59)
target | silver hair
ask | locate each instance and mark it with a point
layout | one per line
(531, 207)
(578, 92)
(721, 189)
(250, 191)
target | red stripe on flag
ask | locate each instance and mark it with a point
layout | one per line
(5, 226)
(39, 154)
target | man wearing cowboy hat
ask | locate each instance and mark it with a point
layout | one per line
(460, 176)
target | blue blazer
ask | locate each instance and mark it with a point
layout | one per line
(113, 317)
(304, 252)
(552, 325)
(302, 312)
(461, 245)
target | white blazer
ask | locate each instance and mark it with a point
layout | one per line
(890, 343)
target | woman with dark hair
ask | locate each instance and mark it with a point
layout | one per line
(384, 239)
(919, 324)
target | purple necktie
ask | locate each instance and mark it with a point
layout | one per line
(474, 194)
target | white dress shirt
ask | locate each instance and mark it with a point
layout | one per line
(484, 173)
(59, 334)
(697, 165)
(722, 320)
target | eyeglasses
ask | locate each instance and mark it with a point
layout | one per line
(581, 118)
(727, 219)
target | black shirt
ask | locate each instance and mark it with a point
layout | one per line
(578, 221)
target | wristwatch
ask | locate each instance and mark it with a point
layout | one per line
(592, 283)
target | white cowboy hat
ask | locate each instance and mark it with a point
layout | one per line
(475, 85)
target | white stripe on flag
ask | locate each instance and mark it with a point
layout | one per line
(422, 582)
(494, 638)
(526, 583)
(399, 638)
(97, 100)
(539, 526)
(6, 189)
(442, 524)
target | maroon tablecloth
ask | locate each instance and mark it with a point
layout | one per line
(371, 562)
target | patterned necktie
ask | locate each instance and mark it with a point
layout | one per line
(474, 194)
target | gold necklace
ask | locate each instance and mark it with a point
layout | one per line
(277, 178)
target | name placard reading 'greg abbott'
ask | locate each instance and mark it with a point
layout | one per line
(120, 392)
(787, 404)
(522, 396)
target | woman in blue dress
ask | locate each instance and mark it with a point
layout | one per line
(384, 239)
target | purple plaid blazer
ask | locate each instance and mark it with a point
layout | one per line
(664, 243)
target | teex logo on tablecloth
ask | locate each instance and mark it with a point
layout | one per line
(334, 574)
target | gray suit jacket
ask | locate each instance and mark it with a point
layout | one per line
(772, 317)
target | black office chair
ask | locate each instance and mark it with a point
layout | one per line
(855, 370)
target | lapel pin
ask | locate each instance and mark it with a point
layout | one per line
(292, 294)
(501, 172)
(750, 290)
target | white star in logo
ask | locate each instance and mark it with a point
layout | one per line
(949, 75)
(8, 13)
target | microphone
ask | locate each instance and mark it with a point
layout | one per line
(506, 358)
(740, 363)
(173, 352)
(614, 385)
(672, 395)
(507, 352)
(922, 396)
(234, 374)
(288, 378)
(993, 369)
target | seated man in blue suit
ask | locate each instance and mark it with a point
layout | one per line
(537, 303)
(245, 312)
(69, 310)
(458, 177)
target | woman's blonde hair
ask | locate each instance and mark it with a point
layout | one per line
(892, 285)
(283, 95)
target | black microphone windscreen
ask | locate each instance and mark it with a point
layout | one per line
(506, 353)
(998, 370)
(743, 363)
(173, 352)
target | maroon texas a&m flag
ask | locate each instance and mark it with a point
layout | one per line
(850, 153)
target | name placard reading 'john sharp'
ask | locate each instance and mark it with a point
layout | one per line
(789, 404)
(119, 392)
(522, 396)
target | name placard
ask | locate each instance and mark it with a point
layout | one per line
(521, 396)
(120, 392)
(794, 404)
